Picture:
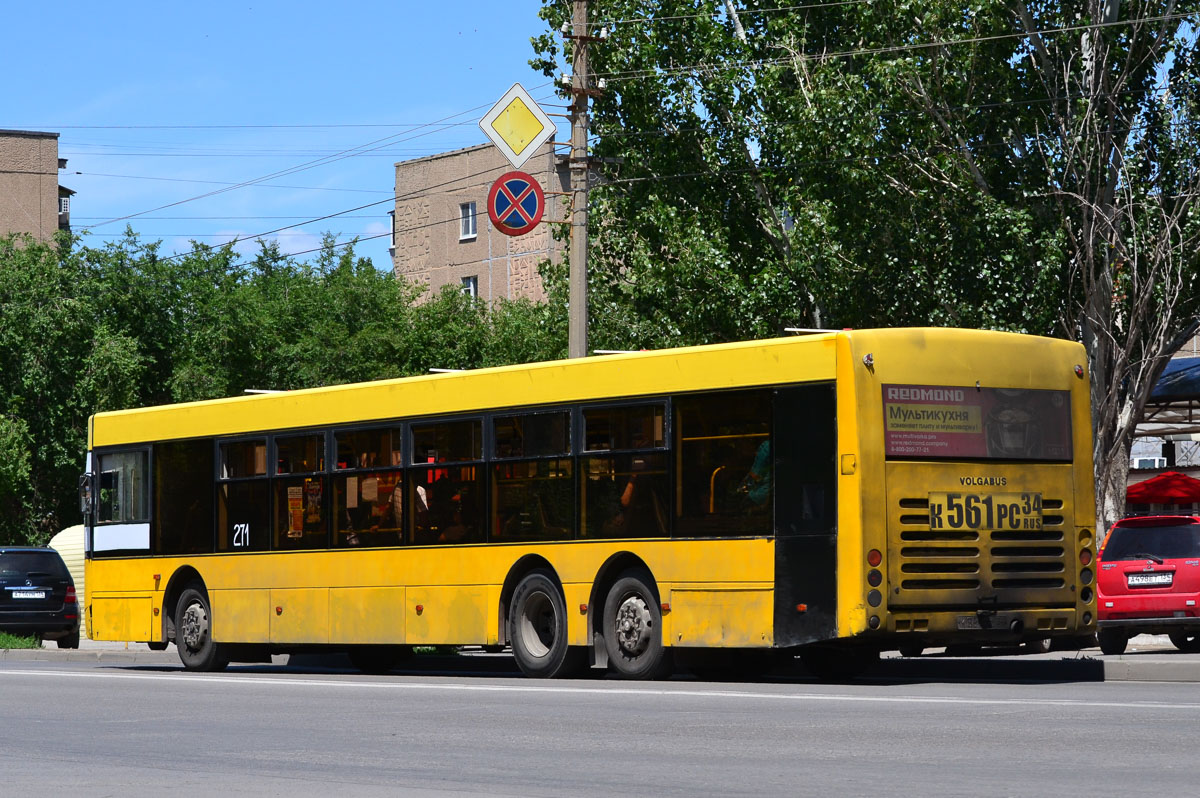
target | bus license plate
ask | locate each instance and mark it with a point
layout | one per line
(1160, 579)
(985, 511)
(981, 622)
(29, 594)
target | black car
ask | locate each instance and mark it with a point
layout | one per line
(37, 595)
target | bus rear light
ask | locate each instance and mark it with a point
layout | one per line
(1085, 595)
(1085, 556)
(1085, 576)
(801, 608)
(420, 608)
(873, 622)
(583, 609)
(70, 597)
(1078, 370)
(156, 612)
(874, 578)
(874, 558)
(665, 607)
(874, 598)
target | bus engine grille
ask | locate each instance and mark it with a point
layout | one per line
(964, 567)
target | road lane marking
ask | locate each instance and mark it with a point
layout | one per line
(563, 689)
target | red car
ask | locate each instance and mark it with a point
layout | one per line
(1149, 581)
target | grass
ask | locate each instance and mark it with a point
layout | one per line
(17, 641)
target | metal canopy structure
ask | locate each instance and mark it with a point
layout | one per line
(1173, 410)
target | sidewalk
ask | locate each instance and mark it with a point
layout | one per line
(1149, 658)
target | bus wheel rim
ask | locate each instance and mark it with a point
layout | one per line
(634, 625)
(536, 625)
(194, 626)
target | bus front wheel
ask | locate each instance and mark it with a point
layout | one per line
(537, 629)
(193, 633)
(633, 629)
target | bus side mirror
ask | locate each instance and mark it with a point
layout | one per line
(85, 495)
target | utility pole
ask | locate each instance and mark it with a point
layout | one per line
(577, 316)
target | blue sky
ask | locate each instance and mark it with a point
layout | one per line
(158, 103)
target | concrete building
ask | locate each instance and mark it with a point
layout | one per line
(442, 234)
(31, 200)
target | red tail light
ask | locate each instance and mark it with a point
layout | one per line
(70, 597)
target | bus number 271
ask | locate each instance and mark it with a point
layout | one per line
(241, 536)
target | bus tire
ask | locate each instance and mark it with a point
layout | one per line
(1112, 641)
(537, 629)
(193, 633)
(633, 629)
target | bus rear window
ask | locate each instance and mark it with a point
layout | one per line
(968, 423)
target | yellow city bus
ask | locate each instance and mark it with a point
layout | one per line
(830, 496)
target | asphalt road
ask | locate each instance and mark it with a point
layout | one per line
(127, 728)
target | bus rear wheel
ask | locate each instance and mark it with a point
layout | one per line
(633, 629)
(537, 629)
(193, 633)
(1112, 641)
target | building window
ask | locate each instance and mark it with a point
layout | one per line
(392, 227)
(64, 204)
(466, 217)
(470, 286)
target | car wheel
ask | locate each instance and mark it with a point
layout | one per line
(1188, 643)
(1112, 641)
(633, 629)
(193, 633)
(537, 629)
(70, 641)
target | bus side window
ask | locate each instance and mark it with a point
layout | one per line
(183, 497)
(624, 487)
(124, 488)
(724, 464)
(243, 497)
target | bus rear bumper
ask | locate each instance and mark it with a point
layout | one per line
(986, 627)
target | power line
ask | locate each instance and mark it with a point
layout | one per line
(768, 62)
(225, 183)
(741, 12)
(229, 218)
(415, 125)
(661, 132)
(302, 167)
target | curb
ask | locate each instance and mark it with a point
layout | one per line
(88, 655)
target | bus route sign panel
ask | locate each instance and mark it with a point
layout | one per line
(946, 421)
(516, 203)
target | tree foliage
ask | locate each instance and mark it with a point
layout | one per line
(87, 329)
(1028, 166)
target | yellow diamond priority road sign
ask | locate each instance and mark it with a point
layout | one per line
(517, 125)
